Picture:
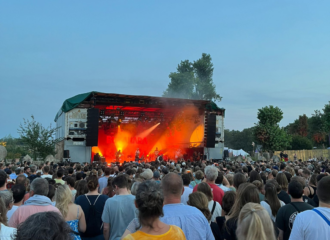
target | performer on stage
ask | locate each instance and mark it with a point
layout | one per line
(137, 154)
(118, 156)
(156, 153)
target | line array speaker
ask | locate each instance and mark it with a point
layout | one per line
(92, 131)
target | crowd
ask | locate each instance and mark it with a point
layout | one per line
(166, 200)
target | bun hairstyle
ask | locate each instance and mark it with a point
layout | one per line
(254, 222)
(92, 182)
(149, 200)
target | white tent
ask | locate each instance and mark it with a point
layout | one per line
(237, 152)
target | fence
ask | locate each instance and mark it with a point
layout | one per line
(306, 154)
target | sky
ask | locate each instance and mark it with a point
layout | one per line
(264, 53)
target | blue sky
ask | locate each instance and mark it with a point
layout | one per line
(264, 53)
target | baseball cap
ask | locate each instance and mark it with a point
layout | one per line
(268, 170)
(156, 174)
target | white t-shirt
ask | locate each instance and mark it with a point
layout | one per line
(310, 225)
(269, 210)
(185, 196)
(11, 212)
(47, 176)
(6, 233)
(217, 210)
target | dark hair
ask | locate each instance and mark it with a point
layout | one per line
(282, 181)
(44, 226)
(3, 178)
(59, 173)
(149, 201)
(107, 171)
(70, 170)
(271, 197)
(239, 178)
(92, 182)
(79, 176)
(282, 166)
(288, 176)
(110, 192)
(219, 179)
(186, 179)
(228, 201)
(295, 189)
(81, 188)
(70, 181)
(51, 192)
(18, 191)
(323, 190)
(254, 175)
(120, 181)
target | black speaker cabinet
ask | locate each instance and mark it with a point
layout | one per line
(92, 132)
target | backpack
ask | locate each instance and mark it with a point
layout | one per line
(93, 221)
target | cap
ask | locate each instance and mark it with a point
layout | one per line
(147, 174)
(268, 170)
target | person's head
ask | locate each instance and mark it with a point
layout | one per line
(254, 223)
(313, 180)
(3, 178)
(247, 192)
(254, 175)
(172, 186)
(135, 187)
(259, 185)
(299, 179)
(186, 179)
(219, 179)
(3, 211)
(18, 191)
(63, 197)
(120, 182)
(199, 175)
(107, 171)
(200, 201)
(206, 189)
(271, 197)
(51, 192)
(39, 186)
(79, 176)
(92, 183)
(21, 179)
(149, 201)
(33, 168)
(18, 171)
(228, 201)
(282, 181)
(211, 173)
(70, 170)
(323, 190)
(59, 173)
(156, 175)
(7, 197)
(27, 169)
(45, 226)
(295, 189)
(81, 188)
(306, 173)
(239, 178)
(70, 181)
(230, 178)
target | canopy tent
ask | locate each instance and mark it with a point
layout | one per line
(237, 152)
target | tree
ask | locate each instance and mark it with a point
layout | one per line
(193, 80)
(40, 140)
(240, 139)
(268, 133)
(301, 143)
(326, 120)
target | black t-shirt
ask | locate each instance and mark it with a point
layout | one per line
(230, 229)
(309, 201)
(97, 217)
(284, 197)
(287, 214)
(316, 200)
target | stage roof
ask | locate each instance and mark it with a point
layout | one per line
(98, 98)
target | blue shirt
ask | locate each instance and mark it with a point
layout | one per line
(13, 176)
(191, 220)
(103, 182)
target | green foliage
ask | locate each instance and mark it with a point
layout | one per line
(301, 143)
(268, 133)
(40, 140)
(240, 139)
(193, 80)
(15, 147)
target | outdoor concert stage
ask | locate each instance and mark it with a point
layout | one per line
(138, 128)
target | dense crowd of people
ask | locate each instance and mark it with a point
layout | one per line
(199, 200)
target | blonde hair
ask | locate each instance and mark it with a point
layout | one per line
(63, 198)
(254, 222)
